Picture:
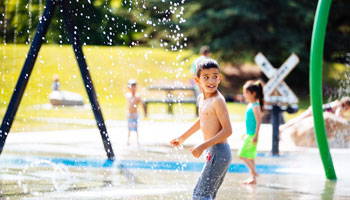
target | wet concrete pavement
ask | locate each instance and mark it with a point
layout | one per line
(73, 165)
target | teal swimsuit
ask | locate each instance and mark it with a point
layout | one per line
(250, 121)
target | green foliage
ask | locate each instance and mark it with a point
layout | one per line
(96, 21)
(159, 20)
(235, 29)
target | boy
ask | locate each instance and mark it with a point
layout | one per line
(133, 100)
(215, 124)
(205, 53)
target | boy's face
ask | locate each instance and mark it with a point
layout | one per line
(132, 88)
(209, 80)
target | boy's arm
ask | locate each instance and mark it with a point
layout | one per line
(223, 116)
(258, 118)
(194, 128)
(143, 107)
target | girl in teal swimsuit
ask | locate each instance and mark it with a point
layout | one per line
(253, 93)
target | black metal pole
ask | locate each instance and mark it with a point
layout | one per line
(74, 40)
(275, 129)
(27, 69)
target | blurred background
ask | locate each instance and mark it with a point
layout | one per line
(155, 42)
(55, 151)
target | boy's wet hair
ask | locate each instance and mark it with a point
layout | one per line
(131, 82)
(206, 63)
(257, 88)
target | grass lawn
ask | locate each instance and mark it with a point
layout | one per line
(110, 68)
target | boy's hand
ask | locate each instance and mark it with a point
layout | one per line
(176, 142)
(196, 151)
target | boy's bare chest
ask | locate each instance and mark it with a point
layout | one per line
(206, 109)
(133, 100)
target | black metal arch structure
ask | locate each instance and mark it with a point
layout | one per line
(27, 69)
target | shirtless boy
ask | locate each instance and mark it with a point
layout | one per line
(133, 100)
(215, 124)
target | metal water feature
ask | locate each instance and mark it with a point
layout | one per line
(316, 57)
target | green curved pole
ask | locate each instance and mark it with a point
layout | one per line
(316, 57)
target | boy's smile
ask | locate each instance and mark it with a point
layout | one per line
(209, 80)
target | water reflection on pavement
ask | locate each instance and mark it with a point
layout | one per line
(47, 165)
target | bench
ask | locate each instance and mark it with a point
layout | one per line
(170, 99)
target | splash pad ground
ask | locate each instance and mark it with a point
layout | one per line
(72, 165)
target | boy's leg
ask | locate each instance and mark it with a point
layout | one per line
(132, 126)
(137, 138)
(129, 129)
(202, 191)
(218, 185)
(128, 143)
(136, 130)
(213, 173)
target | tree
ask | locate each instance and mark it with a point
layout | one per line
(97, 22)
(160, 22)
(234, 29)
(237, 30)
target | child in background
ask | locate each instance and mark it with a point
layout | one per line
(344, 108)
(215, 124)
(253, 93)
(56, 83)
(341, 108)
(133, 101)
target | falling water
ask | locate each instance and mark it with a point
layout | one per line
(29, 20)
(15, 31)
(40, 8)
(16, 23)
(4, 34)
(341, 133)
(5, 23)
(57, 176)
(344, 89)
